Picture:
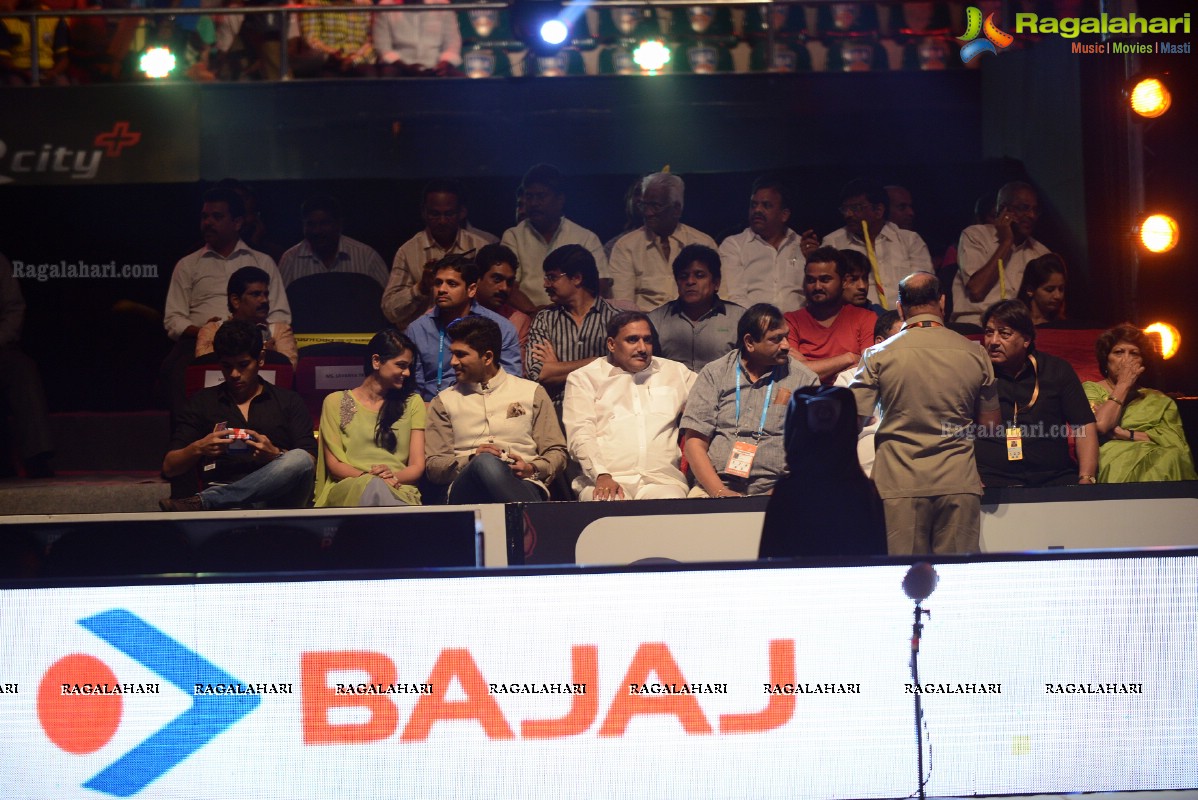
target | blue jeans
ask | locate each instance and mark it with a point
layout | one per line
(486, 479)
(286, 482)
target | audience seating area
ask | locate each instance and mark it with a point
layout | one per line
(844, 37)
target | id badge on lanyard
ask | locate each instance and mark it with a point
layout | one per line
(1014, 443)
(740, 460)
(1014, 432)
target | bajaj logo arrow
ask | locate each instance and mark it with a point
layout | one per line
(208, 716)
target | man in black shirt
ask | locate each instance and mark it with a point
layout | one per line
(251, 442)
(1039, 395)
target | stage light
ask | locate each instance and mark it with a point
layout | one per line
(554, 31)
(651, 55)
(1150, 98)
(1158, 233)
(157, 62)
(1170, 338)
(541, 25)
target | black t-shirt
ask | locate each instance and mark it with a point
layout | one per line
(1046, 459)
(278, 414)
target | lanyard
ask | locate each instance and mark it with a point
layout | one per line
(1035, 390)
(768, 394)
(926, 323)
(441, 347)
(440, 356)
(873, 265)
(1002, 281)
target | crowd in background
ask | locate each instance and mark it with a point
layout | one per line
(382, 42)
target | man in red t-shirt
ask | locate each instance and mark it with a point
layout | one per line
(827, 334)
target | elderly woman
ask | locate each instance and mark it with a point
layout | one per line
(1140, 428)
(1043, 288)
(372, 437)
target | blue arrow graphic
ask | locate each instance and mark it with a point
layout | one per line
(208, 716)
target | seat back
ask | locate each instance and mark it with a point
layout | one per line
(317, 376)
(202, 376)
(340, 302)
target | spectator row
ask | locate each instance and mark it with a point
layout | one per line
(477, 43)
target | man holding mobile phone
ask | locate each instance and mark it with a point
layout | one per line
(992, 257)
(250, 441)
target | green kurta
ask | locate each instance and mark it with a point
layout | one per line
(347, 431)
(1165, 458)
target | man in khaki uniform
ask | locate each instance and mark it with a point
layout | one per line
(932, 384)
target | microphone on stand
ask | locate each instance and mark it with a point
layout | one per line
(918, 584)
(920, 581)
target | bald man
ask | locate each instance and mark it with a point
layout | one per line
(932, 384)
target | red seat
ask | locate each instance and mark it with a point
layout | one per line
(1075, 345)
(317, 376)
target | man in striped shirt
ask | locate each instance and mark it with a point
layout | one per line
(325, 249)
(573, 331)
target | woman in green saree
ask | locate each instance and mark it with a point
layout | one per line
(372, 437)
(1142, 437)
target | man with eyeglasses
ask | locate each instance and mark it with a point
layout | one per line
(892, 252)
(991, 258)
(641, 260)
(736, 412)
(409, 290)
(573, 331)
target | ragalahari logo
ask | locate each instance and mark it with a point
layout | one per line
(80, 702)
(995, 39)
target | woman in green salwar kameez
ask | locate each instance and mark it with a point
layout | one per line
(372, 436)
(1142, 437)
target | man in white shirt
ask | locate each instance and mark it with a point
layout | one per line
(423, 43)
(900, 207)
(621, 417)
(542, 231)
(992, 257)
(325, 249)
(893, 253)
(408, 293)
(641, 260)
(198, 292)
(763, 264)
(889, 324)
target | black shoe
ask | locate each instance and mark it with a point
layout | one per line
(192, 503)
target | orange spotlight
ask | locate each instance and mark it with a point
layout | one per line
(1150, 98)
(1158, 233)
(1169, 336)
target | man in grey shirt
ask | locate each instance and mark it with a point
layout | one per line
(736, 410)
(699, 326)
(932, 385)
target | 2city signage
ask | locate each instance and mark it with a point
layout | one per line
(54, 161)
